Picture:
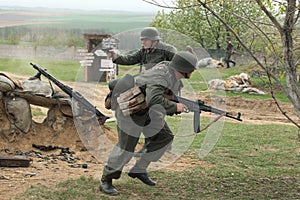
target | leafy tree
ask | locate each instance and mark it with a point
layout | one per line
(272, 29)
(193, 20)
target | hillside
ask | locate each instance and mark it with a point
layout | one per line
(110, 21)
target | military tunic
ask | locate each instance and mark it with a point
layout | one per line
(148, 58)
(155, 83)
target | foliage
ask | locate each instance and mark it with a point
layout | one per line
(196, 22)
(273, 31)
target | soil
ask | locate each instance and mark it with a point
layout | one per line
(48, 168)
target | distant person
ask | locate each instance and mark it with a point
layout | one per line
(152, 51)
(229, 52)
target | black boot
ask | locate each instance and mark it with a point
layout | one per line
(139, 171)
(143, 177)
(107, 187)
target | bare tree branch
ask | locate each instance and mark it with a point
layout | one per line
(269, 15)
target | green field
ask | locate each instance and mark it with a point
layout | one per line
(109, 21)
(249, 161)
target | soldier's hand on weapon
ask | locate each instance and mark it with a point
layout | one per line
(181, 108)
(112, 53)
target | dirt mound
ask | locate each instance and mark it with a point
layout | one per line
(262, 111)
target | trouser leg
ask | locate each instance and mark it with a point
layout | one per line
(120, 155)
(158, 144)
(140, 166)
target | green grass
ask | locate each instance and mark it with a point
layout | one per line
(108, 21)
(61, 70)
(247, 162)
(38, 113)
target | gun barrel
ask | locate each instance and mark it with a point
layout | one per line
(238, 117)
(198, 106)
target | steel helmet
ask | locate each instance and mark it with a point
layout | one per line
(150, 33)
(184, 61)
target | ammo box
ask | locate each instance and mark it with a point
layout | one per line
(14, 161)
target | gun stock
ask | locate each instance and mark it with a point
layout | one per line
(76, 95)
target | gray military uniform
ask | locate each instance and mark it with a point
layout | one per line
(148, 58)
(155, 83)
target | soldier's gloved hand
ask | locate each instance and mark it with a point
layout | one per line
(181, 108)
(113, 53)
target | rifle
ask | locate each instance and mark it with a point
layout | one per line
(76, 95)
(198, 106)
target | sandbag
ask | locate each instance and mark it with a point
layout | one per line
(19, 113)
(6, 84)
(37, 87)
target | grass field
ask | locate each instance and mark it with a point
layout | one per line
(110, 21)
(71, 71)
(248, 162)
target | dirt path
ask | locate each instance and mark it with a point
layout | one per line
(53, 167)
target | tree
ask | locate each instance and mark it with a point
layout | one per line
(276, 31)
(198, 23)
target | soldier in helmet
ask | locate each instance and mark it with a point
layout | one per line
(159, 84)
(152, 52)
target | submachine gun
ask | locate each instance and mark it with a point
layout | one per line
(77, 96)
(198, 106)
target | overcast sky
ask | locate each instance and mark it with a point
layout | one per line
(126, 5)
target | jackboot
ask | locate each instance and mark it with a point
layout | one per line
(143, 177)
(107, 187)
(139, 171)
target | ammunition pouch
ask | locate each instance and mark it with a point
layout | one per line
(116, 87)
(131, 101)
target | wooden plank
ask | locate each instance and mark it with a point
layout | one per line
(41, 100)
(89, 57)
(82, 50)
(14, 161)
(106, 70)
(86, 61)
(86, 64)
